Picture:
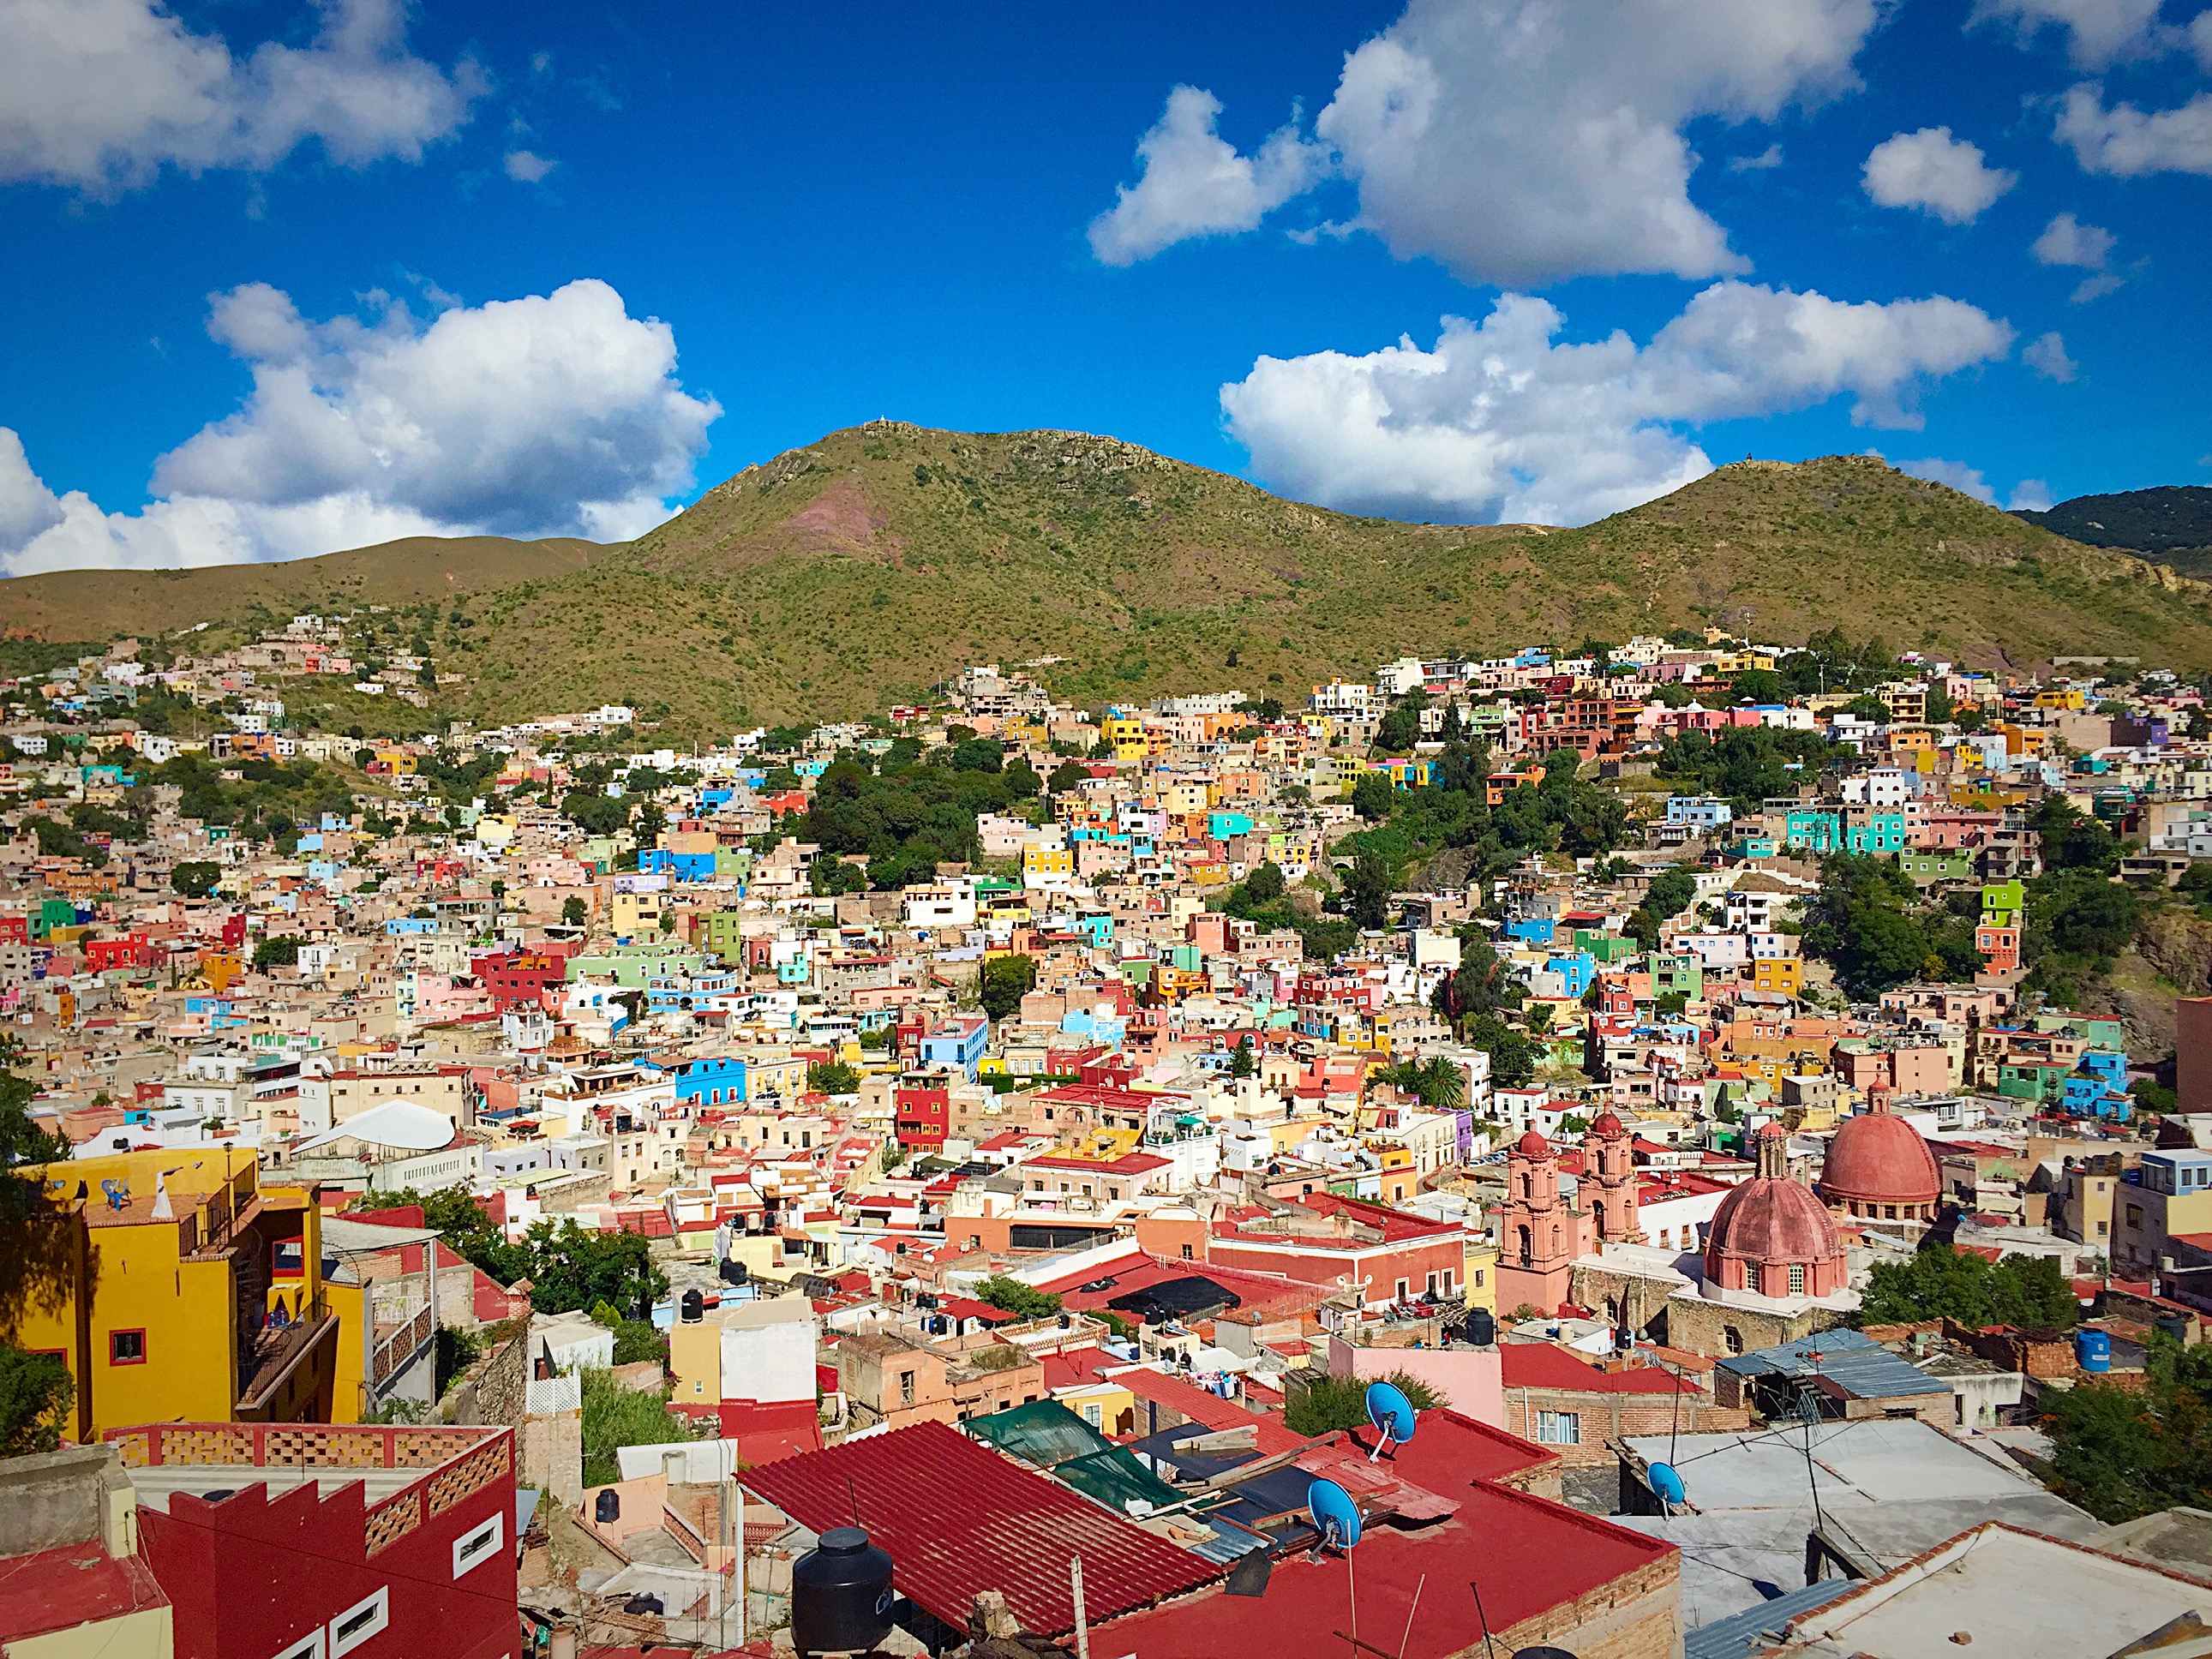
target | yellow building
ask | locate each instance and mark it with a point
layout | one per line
(1784, 976)
(158, 1279)
(634, 913)
(1048, 863)
(1125, 733)
(1479, 1279)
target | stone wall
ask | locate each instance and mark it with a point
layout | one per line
(493, 1389)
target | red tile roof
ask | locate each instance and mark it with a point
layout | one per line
(958, 1518)
(1448, 1451)
(766, 1430)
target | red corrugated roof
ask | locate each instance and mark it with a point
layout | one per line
(1189, 1399)
(958, 1519)
(1541, 1365)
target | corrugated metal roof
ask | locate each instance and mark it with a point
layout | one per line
(958, 1519)
(1859, 1365)
(1758, 1628)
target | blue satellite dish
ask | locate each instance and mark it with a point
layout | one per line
(1667, 1485)
(1390, 1411)
(1335, 1517)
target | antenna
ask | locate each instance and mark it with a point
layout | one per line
(1391, 1413)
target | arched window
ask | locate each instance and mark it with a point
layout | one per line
(1527, 1185)
(1527, 1248)
(1597, 1209)
(1733, 1337)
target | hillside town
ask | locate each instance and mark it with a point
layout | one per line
(1690, 1140)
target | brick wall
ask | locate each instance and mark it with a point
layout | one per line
(1603, 1417)
(1636, 1616)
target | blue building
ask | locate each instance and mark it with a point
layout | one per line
(1532, 930)
(1575, 971)
(957, 1045)
(718, 1080)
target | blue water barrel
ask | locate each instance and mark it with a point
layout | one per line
(2094, 1350)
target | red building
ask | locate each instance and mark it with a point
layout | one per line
(1391, 1256)
(517, 979)
(286, 1540)
(925, 1116)
(131, 950)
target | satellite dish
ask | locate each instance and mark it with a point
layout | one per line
(1667, 1485)
(1335, 1517)
(1391, 1413)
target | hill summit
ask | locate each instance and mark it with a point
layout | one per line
(862, 567)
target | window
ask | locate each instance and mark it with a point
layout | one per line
(1558, 1429)
(1186, 1252)
(126, 1347)
(475, 1547)
(309, 1646)
(1448, 1281)
(1402, 1290)
(359, 1622)
(1092, 1413)
(1431, 1286)
(1796, 1279)
(1733, 1337)
(906, 1387)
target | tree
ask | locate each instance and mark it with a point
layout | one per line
(2119, 1453)
(573, 911)
(1940, 1283)
(1006, 981)
(283, 951)
(1317, 1402)
(2069, 842)
(1065, 776)
(1241, 1063)
(1265, 884)
(616, 1415)
(35, 1394)
(1367, 889)
(1512, 1056)
(1437, 1082)
(832, 1076)
(595, 812)
(1374, 797)
(195, 879)
(1012, 1296)
(1672, 891)
(1400, 729)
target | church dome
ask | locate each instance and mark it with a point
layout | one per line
(1878, 1169)
(1772, 1235)
(1607, 1125)
(1534, 1145)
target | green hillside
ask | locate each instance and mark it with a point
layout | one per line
(2172, 524)
(860, 569)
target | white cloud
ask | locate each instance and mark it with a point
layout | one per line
(2099, 31)
(2125, 142)
(2067, 241)
(1498, 420)
(1193, 183)
(101, 93)
(2047, 355)
(1966, 480)
(2029, 495)
(2200, 40)
(528, 168)
(1936, 172)
(1769, 157)
(554, 415)
(1523, 141)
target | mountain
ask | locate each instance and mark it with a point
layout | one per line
(860, 570)
(2172, 524)
(106, 605)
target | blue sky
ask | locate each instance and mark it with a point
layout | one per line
(283, 278)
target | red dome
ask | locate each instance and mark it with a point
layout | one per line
(1607, 1125)
(1764, 1229)
(1533, 1144)
(1879, 1158)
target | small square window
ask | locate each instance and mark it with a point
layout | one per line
(126, 1347)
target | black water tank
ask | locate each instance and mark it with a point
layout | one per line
(841, 1594)
(733, 1273)
(643, 1604)
(1481, 1327)
(607, 1507)
(695, 1307)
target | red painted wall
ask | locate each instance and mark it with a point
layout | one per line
(250, 1575)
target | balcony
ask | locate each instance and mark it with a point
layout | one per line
(275, 1353)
